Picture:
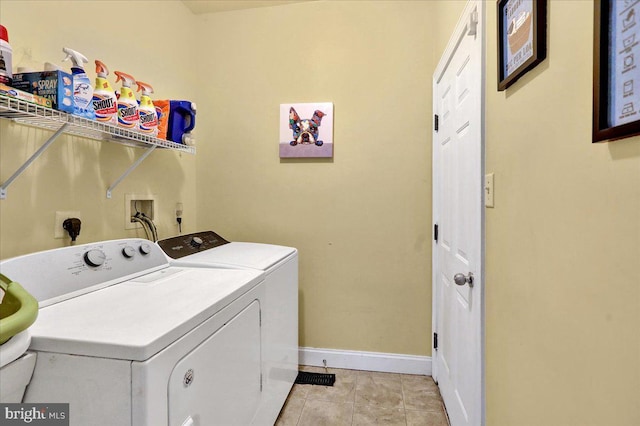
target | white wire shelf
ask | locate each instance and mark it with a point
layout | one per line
(46, 118)
(60, 122)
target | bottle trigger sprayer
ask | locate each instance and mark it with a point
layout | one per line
(105, 102)
(128, 115)
(148, 117)
(82, 90)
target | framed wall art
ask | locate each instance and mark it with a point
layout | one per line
(306, 130)
(522, 38)
(616, 74)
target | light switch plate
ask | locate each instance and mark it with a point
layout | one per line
(488, 190)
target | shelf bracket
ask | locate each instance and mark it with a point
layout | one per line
(130, 169)
(38, 153)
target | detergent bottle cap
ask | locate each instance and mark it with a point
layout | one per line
(145, 87)
(4, 35)
(101, 69)
(76, 57)
(127, 79)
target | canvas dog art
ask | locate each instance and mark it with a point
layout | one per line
(300, 131)
(305, 131)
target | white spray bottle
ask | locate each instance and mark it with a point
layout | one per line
(148, 117)
(105, 102)
(82, 90)
(128, 115)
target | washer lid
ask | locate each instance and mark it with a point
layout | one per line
(138, 318)
(245, 255)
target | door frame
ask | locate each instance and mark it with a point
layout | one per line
(463, 22)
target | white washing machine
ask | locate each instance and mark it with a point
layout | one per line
(280, 308)
(127, 339)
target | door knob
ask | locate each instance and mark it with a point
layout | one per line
(462, 279)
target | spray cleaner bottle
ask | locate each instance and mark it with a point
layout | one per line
(128, 115)
(6, 75)
(148, 117)
(105, 102)
(82, 90)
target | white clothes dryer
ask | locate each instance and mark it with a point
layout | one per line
(127, 339)
(280, 308)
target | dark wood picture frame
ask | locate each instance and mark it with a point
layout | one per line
(603, 128)
(538, 38)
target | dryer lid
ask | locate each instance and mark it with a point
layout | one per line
(244, 255)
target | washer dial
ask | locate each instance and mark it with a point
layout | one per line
(196, 242)
(95, 257)
(145, 249)
(128, 252)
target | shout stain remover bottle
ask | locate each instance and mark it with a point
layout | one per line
(128, 116)
(148, 118)
(105, 102)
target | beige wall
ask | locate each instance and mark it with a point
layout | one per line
(74, 173)
(448, 13)
(563, 244)
(362, 220)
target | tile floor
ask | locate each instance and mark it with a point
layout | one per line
(364, 398)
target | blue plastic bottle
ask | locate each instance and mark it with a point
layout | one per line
(182, 120)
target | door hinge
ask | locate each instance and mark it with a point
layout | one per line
(473, 23)
(435, 341)
(435, 232)
(435, 122)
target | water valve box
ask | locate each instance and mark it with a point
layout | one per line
(54, 85)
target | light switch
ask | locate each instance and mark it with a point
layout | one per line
(488, 190)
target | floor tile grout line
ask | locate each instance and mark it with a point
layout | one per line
(306, 399)
(404, 404)
(355, 391)
(301, 410)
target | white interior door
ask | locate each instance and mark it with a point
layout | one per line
(458, 213)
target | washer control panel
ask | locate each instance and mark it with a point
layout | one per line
(185, 245)
(54, 275)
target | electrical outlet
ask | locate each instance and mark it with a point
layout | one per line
(138, 203)
(58, 230)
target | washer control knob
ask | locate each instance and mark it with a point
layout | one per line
(128, 252)
(95, 257)
(196, 241)
(145, 249)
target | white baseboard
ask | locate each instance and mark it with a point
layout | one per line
(369, 361)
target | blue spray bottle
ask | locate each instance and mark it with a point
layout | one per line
(82, 89)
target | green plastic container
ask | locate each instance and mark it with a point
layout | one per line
(18, 309)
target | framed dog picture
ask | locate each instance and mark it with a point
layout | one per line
(306, 130)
